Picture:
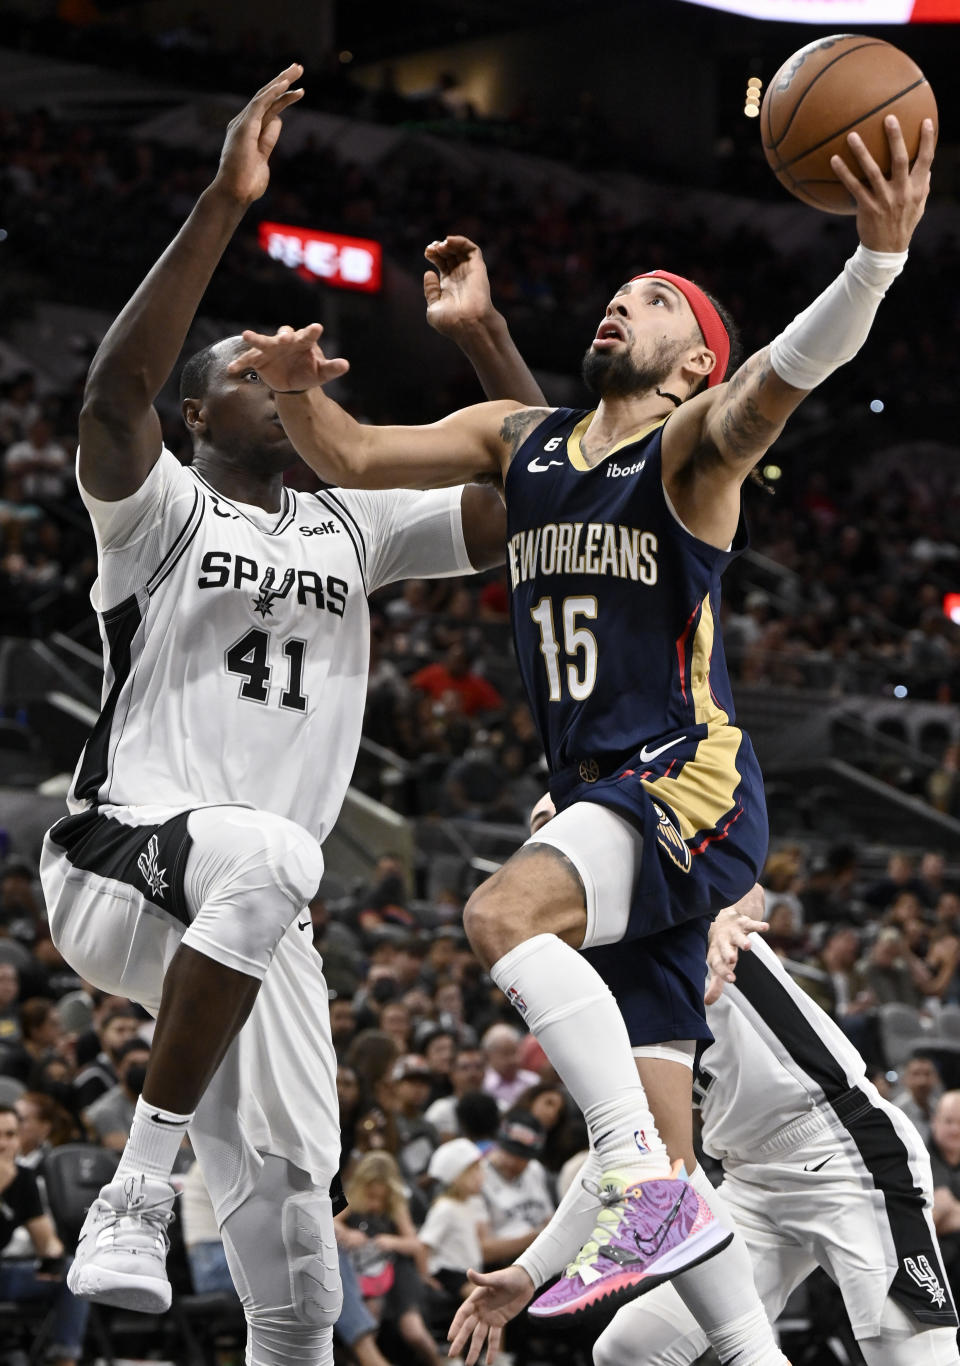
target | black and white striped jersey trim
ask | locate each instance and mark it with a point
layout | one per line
(328, 499)
(286, 515)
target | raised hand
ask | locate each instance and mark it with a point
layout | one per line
(889, 207)
(459, 295)
(499, 1297)
(728, 938)
(290, 361)
(244, 170)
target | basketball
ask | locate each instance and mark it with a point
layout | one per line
(835, 86)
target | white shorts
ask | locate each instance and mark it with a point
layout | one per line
(817, 1204)
(275, 1091)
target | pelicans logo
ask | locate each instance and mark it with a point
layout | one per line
(670, 839)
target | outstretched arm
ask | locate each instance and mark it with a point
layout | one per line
(459, 306)
(473, 443)
(119, 428)
(713, 441)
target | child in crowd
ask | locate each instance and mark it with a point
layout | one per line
(388, 1257)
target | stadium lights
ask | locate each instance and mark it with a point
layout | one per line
(854, 12)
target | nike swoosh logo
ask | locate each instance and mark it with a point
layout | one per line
(819, 1165)
(307, 924)
(647, 754)
(536, 468)
(170, 1123)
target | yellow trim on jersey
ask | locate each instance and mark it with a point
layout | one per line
(575, 456)
(701, 794)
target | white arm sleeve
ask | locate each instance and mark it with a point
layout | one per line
(410, 535)
(832, 330)
(569, 1228)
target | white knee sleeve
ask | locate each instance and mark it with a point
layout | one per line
(313, 1260)
(282, 1256)
(248, 876)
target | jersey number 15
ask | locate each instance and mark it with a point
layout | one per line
(576, 640)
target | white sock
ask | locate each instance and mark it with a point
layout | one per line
(155, 1139)
(570, 1009)
(744, 1338)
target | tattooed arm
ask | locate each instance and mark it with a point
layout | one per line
(714, 440)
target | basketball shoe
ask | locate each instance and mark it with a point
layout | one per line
(646, 1232)
(121, 1256)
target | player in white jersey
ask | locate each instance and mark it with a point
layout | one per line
(235, 628)
(819, 1170)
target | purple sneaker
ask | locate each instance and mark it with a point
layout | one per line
(645, 1233)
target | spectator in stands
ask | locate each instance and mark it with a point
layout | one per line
(41, 1037)
(455, 684)
(439, 1048)
(371, 1055)
(416, 1136)
(466, 1075)
(343, 1023)
(890, 972)
(549, 1105)
(516, 1191)
(110, 1116)
(19, 408)
(387, 1255)
(921, 1089)
(348, 1097)
(456, 1223)
(840, 989)
(396, 1022)
(826, 895)
(39, 464)
(900, 877)
(944, 1145)
(201, 1237)
(113, 1029)
(943, 785)
(43, 1125)
(478, 1118)
(9, 1010)
(504, 1078)
(20, 1205)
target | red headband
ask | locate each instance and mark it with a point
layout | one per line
(708, 320)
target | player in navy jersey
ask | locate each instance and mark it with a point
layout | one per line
(620, 523)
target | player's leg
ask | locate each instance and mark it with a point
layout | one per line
(570, 886)
(573, 884)
(282, 1253)
(902, 1341)
(244, 876)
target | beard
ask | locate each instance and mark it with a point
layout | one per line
(617, 375)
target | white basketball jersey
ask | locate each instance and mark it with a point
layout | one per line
(777, 1055)
(236, 641)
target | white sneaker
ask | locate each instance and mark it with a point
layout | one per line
(121, 1256)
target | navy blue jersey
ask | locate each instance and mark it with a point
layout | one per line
(615, 609)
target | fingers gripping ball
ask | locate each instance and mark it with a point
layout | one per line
(832, 87)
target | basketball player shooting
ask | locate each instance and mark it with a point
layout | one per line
(620, 524)
(236, 638)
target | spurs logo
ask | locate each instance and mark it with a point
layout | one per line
(264, 603)
(670, 840)
(920, 1271)
(154, 877)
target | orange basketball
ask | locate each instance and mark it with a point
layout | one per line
(832, 87)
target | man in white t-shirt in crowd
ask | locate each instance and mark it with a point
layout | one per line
(39, 464)
(504, 1078)
(516, 1190)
